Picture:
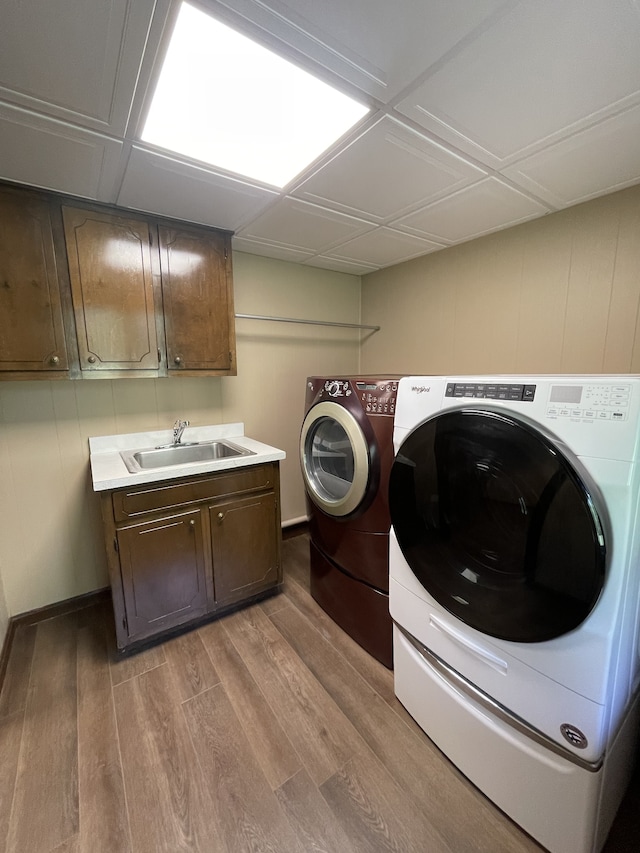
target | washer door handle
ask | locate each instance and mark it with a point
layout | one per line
(468, 645)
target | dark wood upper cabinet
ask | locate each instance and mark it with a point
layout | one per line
(198, 299)
(93, 291)
(112, 290)
(32, 335)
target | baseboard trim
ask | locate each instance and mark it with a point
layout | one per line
(49, 611)
(296, 529)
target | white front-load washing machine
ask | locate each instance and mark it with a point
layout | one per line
(515, 589)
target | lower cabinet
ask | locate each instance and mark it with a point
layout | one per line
(181, 551)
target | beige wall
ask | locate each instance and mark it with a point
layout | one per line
(559, 294)
(4, 614)
(274, 359)
(50, 534)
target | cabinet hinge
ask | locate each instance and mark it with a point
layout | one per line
(226, 253)
(115, 544)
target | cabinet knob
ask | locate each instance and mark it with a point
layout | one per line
(177, 360)
(220, 516)
(92, 359)
(192, 524)
(54, 360)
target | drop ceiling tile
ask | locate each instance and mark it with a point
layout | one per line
(387, 171)
(487, 206)
(299, 225)
(384, 247)
(268, 250)
(543, 70)
(49, 154)
(76, 61)
(360, 40)
(160, 184)
(602, 159)
(341, 265)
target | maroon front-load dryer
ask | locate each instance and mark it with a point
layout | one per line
(346, 453)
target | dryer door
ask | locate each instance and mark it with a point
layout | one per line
(335, 459)
(498, 525)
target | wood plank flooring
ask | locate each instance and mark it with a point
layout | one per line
(267, 731)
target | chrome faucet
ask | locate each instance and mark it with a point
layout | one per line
(178, 428)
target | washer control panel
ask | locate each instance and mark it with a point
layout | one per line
(602, 402)
(378, 396)
(491, 391)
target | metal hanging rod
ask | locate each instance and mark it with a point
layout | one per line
(306, 322)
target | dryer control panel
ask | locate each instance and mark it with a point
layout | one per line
(377, 396)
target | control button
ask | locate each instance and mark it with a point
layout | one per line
(589, 413)
(564, 413)
(576, 413)
(515, 392)
(618, 416)
(553, 412)
(450, 391)
(604, 416)
(528, 393)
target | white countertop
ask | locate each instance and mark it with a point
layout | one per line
(108, 471)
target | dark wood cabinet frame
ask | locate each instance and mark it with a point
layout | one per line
(185, 551)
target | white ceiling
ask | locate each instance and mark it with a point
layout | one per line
(484, 114)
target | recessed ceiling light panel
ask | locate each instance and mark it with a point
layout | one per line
(230, 102)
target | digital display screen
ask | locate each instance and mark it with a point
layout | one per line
(566, 394)
(363, 386)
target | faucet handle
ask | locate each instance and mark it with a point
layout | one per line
(178, 428)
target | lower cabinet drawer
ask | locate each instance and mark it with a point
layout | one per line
(129, 503)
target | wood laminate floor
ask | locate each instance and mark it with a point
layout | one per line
(269, 730)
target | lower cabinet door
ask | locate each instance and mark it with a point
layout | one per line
(245, 538)
(164, 575)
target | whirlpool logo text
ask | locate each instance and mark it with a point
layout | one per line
(421, 389)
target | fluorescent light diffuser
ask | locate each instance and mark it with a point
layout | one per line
(227, 101)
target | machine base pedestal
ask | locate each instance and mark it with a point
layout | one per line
(358, 609)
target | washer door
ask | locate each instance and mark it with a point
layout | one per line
(335, 459)
(498, 525)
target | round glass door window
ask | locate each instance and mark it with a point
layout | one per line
(334, 459)
(497, 525)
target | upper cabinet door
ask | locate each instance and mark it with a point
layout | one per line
(198, 300)
(112, 290)
(31, 327)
